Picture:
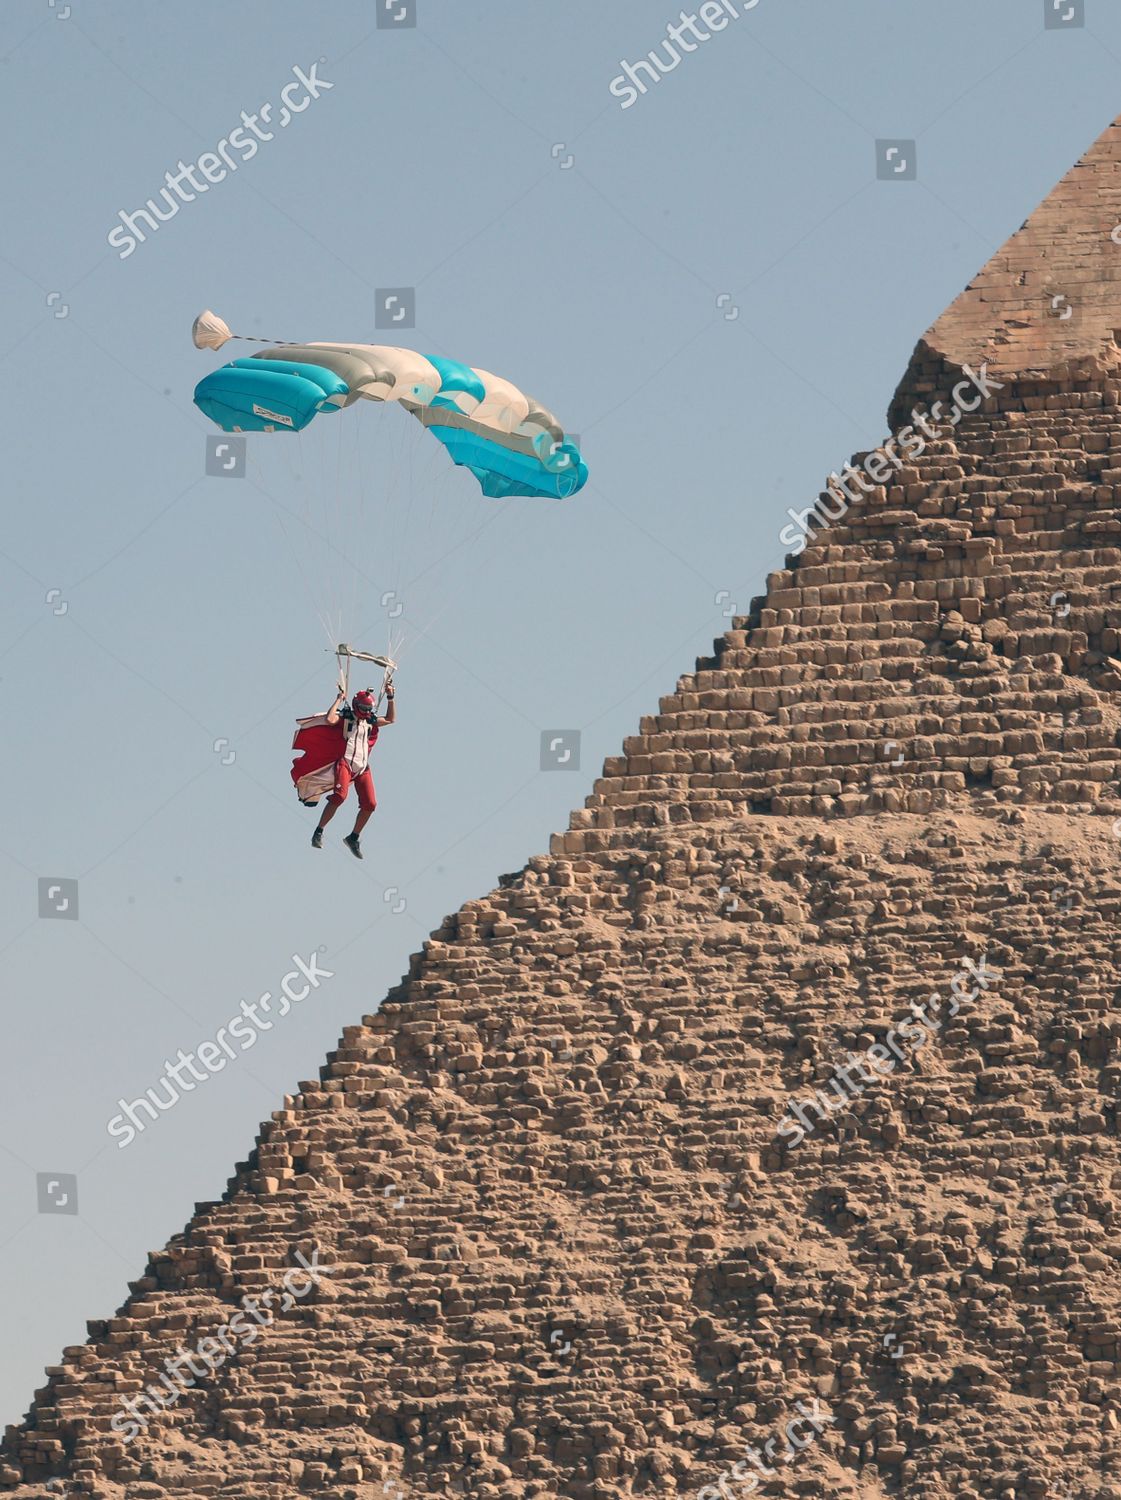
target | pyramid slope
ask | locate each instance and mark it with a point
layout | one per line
(573, 1251)
(608, 1185)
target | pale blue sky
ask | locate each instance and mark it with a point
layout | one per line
(716, 293)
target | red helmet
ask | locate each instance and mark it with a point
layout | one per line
(363, 704)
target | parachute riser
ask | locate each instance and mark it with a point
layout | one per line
(345, 653)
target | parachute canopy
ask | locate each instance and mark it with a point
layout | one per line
(512, 444)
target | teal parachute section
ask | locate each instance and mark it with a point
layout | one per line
(510, 442)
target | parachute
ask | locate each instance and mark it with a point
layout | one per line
(512, 444)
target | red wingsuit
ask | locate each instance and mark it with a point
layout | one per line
(320, 769)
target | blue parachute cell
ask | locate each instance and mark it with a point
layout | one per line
(502, 472)
(328, 382)
(248, 400)
(455, 377)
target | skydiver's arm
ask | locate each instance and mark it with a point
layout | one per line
(391, 709)
(333, 715)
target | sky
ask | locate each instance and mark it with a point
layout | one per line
(715, 284)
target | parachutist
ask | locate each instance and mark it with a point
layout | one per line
(338, 745)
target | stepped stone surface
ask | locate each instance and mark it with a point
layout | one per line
(648, 1154)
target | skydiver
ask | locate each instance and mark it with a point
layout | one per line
(361, 727)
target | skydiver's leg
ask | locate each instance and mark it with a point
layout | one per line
(338, 796)
(367, 800)
(329, 811)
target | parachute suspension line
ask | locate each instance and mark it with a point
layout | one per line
(347, 449)
(345, 530)
(382, 488)
(278, 511)
(338, 508)
(421, 521)
(348, 535)
(390, 489)
(363, 525)
(301, 474)
(387, 678)
(365, 487)
(399, 436)
(322, 616)
(500, 510)
(314, 481)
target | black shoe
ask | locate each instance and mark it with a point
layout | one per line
(351, 842)
(317, 839)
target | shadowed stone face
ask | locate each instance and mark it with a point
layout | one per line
(565, 1238)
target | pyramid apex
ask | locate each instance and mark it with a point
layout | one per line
(1048, 303)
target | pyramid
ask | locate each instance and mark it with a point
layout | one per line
(763, 1135)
